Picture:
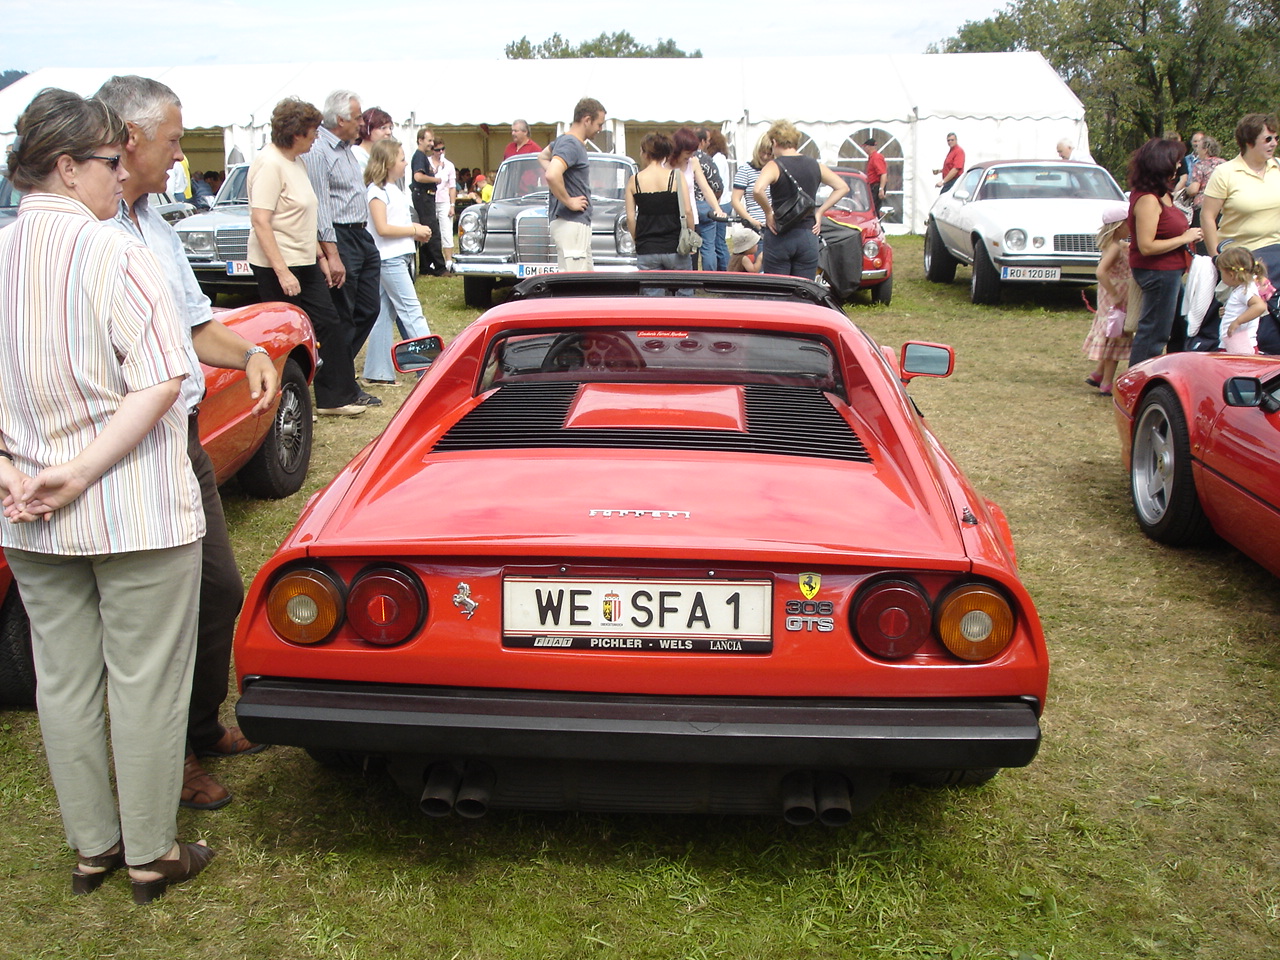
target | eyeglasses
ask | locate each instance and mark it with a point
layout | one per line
(112, 162)
(1270, 139)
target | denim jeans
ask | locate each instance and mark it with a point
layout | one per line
(794, 253)
(715, 243)
(399, 306)
(664, 261)
(1161, 290)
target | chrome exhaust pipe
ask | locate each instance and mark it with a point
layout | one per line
(477, 787)
(441, 791)
(832, 795)
(799, 806)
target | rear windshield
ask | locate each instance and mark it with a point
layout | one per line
(643, 354)
(1035, 182)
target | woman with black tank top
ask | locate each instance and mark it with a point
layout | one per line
(792, 249)
(655, 197)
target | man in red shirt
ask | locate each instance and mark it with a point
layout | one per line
(520, 142)
(952, 166)
(875, 173)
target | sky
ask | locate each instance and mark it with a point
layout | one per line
(67, 33)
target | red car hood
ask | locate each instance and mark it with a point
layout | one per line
(652, 504)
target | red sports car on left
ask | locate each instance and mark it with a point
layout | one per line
(270, 454)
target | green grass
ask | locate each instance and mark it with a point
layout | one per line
(1147, 827)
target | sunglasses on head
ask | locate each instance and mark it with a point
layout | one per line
(112, 162)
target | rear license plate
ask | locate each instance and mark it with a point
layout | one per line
(536, 269)
(1030, 273)
(613, 616)
(239, 268)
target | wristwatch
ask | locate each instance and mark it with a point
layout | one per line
(251, 351)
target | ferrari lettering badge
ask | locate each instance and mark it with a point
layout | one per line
(810, 584)
(462, 600)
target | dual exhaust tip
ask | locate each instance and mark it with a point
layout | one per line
(808, 796)
(464, 791)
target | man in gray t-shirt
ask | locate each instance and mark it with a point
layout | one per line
(569, 182)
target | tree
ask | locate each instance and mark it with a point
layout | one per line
(9, 76)
(620, 44)
(1145, 68)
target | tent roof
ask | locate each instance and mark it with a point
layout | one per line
(876, 87)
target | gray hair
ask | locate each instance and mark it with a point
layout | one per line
(520, 125)
(139, 100)
(1064, 142)
(337, 107)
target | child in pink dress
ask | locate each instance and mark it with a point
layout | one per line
(1107, 343)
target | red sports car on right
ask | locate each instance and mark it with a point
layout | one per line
(1200, 437)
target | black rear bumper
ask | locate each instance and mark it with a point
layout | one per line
(753, 731)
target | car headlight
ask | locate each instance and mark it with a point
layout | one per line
(871, 249)
(622, 237)
(471, 231)
(199, 243)
(1015, 240)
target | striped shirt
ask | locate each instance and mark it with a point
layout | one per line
(85, 318)
(338, 182)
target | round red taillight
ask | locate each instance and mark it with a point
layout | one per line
(385, 606)
(892, 619)
(305, 606)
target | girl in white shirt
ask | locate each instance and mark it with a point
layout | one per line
(1244, 305)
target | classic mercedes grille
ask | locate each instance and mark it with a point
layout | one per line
(1074, 243)
(789, 421)
(533, 240)
(232, 243)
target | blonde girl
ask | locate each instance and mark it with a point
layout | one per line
(1113, 291)
(1244, 304)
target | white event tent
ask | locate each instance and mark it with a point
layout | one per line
(1000, 105)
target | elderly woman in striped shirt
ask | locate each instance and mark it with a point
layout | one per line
(103, 510)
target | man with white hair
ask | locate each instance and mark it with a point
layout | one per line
(355, 267)
(154, 116)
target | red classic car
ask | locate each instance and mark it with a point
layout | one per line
(853, 215)
(621, 552)
(1200, 437)
(269, 454)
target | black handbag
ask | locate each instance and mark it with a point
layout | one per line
(794, 208)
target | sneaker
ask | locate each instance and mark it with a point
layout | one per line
(350, 410)
(368, 400)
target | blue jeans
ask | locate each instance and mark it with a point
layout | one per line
(794, 253)
(715, 242)
(399, 306)
(664, 261)
(1161, 290)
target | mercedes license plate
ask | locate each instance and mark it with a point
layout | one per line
(611, 616)
(239, 268)
(536, 269)
(1030, 273)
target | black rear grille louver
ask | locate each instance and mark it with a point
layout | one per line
(781, 420)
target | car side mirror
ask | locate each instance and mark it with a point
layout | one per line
(961, 195)
(417, 354)
(926, 360)
(1242, 392)
(886, 211)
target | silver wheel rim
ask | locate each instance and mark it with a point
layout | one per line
(290, 429)
(1153, 465)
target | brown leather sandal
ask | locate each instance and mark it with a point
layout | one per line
(192, 858)
(82, 882)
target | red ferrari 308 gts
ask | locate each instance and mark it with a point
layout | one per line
(624, 552)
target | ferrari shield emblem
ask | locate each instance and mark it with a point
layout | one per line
(810, 584)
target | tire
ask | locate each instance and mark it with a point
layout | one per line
(17, 669)
(882, 292)
(1160, 476)
(952, 778)
(939, 265)
(984, 285)
(280, 465)
(477, 292)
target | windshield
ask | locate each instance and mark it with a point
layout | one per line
(236, 190)
(522, 175)
(1038, 182)
(9, 196)
(648, 354)
(857, 200)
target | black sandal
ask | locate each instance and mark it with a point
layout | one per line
(192, 858)
(82, 883)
